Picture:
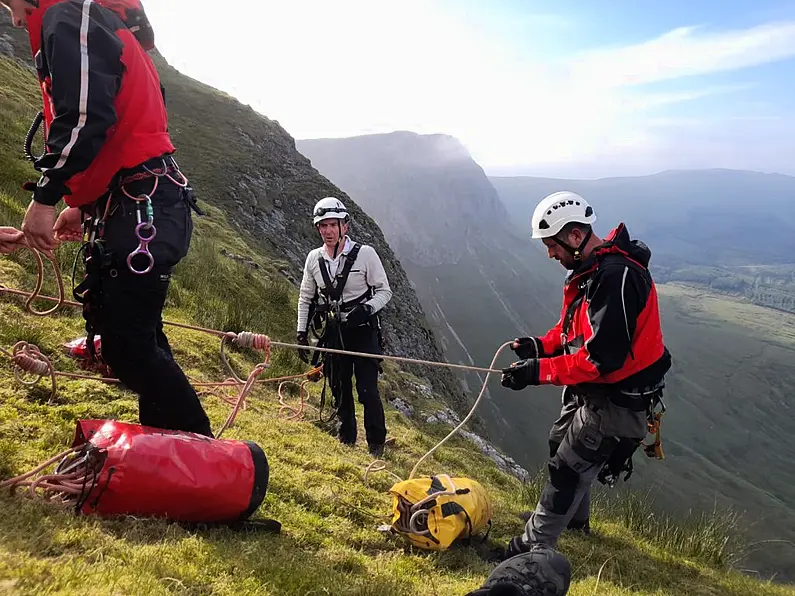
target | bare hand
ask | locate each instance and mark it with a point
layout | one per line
(10, 239)
(69, 225)
(37, 227)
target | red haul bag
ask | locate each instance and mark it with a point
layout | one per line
(151, 472)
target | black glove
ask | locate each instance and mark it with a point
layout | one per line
(302, 340)
(359, 315)
(520, 374)
(526, 347)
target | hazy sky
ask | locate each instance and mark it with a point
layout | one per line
(582, 88)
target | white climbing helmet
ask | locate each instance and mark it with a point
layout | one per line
(558, 209)
(329, 208)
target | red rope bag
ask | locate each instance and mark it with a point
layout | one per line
(149, 472)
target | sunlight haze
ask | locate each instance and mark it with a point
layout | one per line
(581, 89)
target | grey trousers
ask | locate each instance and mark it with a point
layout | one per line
(581, 441)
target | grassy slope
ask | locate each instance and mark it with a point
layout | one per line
(329, 544)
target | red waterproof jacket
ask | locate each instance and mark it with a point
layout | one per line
(104, 108)
(609, 329)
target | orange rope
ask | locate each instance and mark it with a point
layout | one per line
(28, 358)
(57, 487)
(31, 296)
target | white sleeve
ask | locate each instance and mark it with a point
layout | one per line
(376, 279)
(306, 293)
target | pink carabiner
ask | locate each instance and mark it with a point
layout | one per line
(143, 248)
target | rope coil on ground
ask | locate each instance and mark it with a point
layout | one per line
(73, 478)
(29, 359)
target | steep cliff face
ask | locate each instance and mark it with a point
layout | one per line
(247, 164)
(425, 192)
(480, 281)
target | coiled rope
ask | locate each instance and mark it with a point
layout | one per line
(28, 358)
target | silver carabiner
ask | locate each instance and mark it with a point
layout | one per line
(143, 247)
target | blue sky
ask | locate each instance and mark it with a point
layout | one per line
(584, 88)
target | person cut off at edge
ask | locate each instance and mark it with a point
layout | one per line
(108, 156)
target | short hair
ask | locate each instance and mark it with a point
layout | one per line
(574, 225)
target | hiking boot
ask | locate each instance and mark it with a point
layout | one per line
(515, 547)
(377, 451)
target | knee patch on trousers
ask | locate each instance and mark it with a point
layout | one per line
(558, 494)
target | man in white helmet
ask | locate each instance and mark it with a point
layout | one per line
(606, 350)
(343, 289)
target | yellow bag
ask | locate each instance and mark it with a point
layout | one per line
(433, 512)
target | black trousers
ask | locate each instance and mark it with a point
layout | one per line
(358, 339)
(127, 312)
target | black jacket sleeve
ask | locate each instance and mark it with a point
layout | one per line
(617, 298)
(82, 55)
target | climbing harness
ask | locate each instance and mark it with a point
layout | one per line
(325, 321)
(620, 460)
(144, 204)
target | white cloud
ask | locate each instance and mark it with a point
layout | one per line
(355, 66)
(686, 51)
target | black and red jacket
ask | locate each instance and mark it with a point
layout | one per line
(609, 329)
(103, 106)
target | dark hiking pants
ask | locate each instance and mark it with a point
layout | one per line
(128, 315)
(581, 441)
(359, 339)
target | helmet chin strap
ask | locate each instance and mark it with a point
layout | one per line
(576, 253)
(339, 239)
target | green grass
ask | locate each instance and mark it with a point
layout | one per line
(329, 542)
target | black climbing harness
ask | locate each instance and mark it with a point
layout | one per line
(325, 321)
(96, 257)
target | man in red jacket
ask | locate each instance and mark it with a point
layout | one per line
(607, 351)
(108, 156)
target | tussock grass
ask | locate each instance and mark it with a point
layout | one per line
(329, 542)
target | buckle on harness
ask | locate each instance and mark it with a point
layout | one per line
(654, 450)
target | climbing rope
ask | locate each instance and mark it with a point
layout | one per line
(471, 411)
(31, 296)
(75, 475)
(28, 358)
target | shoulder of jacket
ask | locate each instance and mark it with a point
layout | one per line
(366, 249)
(314, 255)
(73, 11)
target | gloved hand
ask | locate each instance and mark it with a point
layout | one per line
(302, 340)
(359, 315)
(520, 374)
(526, 347)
